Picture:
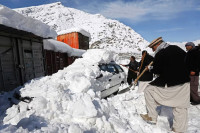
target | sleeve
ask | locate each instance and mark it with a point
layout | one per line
(197, 61)
(158, 64)
(128, 65)
(192, 61)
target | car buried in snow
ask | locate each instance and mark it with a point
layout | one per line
(112, 76)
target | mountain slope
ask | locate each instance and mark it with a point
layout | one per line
(105, 33)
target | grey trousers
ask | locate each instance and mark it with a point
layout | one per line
(176, 97)
(194, 84)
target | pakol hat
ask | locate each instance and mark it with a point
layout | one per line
(190, 44)
(156, 41)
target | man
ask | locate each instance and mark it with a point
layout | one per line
(171, 87)
(147, 76)
(192, 64)
(132, 71)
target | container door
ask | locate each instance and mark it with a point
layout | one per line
(38, 60)
(31, 58)
(9, 65)
(26, 60)
(49, 62)
(63, 60)
(57, 61)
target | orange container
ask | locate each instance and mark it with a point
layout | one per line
(71, 39)
(75, 40)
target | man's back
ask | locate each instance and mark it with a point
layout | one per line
(192, 60)
(170, 66)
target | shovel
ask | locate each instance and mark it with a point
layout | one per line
(132, 86)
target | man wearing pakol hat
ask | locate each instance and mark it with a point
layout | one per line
(192, 63)
(171, 87)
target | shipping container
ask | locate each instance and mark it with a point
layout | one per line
(75, 40)
(59, 55)
(55, 61)
(21, 57)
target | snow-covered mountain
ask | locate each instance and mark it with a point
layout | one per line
(105, 33)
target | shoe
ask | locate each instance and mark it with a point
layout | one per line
(173, 130)
(147, 119)
(193, 103)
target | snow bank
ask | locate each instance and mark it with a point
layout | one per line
(15, 20)
(71, 96)
(57, 46)
(69, 102)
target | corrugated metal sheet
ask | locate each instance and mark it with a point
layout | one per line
(8, 71)
(71, 39)
(21, 59)
(55, 61)
(83, 42)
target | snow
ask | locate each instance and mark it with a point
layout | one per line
(11, 18)
(75, 29)
(69, 102)
(57, 46)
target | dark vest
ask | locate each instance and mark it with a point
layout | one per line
(170, 67)
(192, 61)
(147, 76)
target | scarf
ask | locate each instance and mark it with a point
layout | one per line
(163, 45)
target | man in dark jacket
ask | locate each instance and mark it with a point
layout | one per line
(192, 62)
(171, 87)
(148, 75)
(132, 71)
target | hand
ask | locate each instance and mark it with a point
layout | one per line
(137, 73)
(147, 67)
(150, 68)
(192, 73)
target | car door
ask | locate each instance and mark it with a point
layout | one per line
(122, 75)
(106, 77)
(114, 80)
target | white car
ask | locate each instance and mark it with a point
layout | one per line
(112, 76)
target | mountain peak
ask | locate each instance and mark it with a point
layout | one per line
(105, 33)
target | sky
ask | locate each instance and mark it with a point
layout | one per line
(174, 20)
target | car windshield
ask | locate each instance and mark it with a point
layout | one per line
(112, 68)
(118, 68)
(103, 67)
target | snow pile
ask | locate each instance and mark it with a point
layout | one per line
(79, 30)
(69, 101)
(57, 46)
(15, 20)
